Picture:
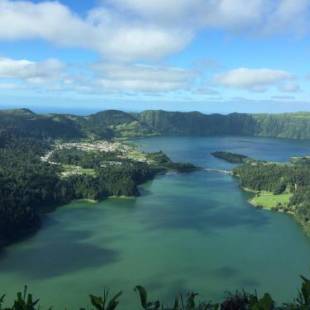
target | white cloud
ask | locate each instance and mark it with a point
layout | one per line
(291, 16)
(199, 12)
(258, 80)
(233, 14)
(121, 39)
(133, 30)
(102, 30)
(30, 71)
(266, 16)
(142, 78)
(52, 74)
(50, 21)
(160, 11)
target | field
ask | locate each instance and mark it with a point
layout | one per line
(270, 201)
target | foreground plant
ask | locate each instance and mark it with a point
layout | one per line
(236, 301)
(24, 301)
(104, 303)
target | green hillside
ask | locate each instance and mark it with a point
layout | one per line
(198, 124)
(116, 123)
(292, 125)
(27, 123)
(112, 123)
(289, 125)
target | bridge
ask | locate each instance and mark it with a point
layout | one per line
(228, 172)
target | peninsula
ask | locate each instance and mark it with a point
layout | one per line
(282, 187)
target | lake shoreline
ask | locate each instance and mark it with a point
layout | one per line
(305, 226)
(25, 234)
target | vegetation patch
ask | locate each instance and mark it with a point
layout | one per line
(271, 201)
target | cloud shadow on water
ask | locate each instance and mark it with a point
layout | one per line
(57, 253)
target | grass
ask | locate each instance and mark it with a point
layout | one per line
(270, 201)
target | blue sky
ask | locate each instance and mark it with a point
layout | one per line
(211, 56)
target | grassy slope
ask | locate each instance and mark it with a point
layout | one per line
(270, 201)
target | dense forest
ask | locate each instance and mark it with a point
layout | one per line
(112, 123)
(293, 178)
(26, 185)
(191, 301)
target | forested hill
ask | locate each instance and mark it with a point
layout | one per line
(113, 123)
(290, 125)
(198, 124)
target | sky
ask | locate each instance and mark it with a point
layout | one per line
(213, 56)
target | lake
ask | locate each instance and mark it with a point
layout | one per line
(186, 232)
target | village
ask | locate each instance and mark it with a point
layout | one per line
(121, 150)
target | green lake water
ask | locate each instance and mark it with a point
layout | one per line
(186, 232)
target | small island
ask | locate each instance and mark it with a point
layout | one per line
(232, 158)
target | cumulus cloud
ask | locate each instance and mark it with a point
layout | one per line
(99, 77)
(131, 30)
(103, 30)
(127, 32)
(291, 16)
(30, 71)
(50, 21)
(171, 12)
(102, 77)
(130, 39)
(258, 16)
(258, 80)
(142, 78)
(194, 13)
